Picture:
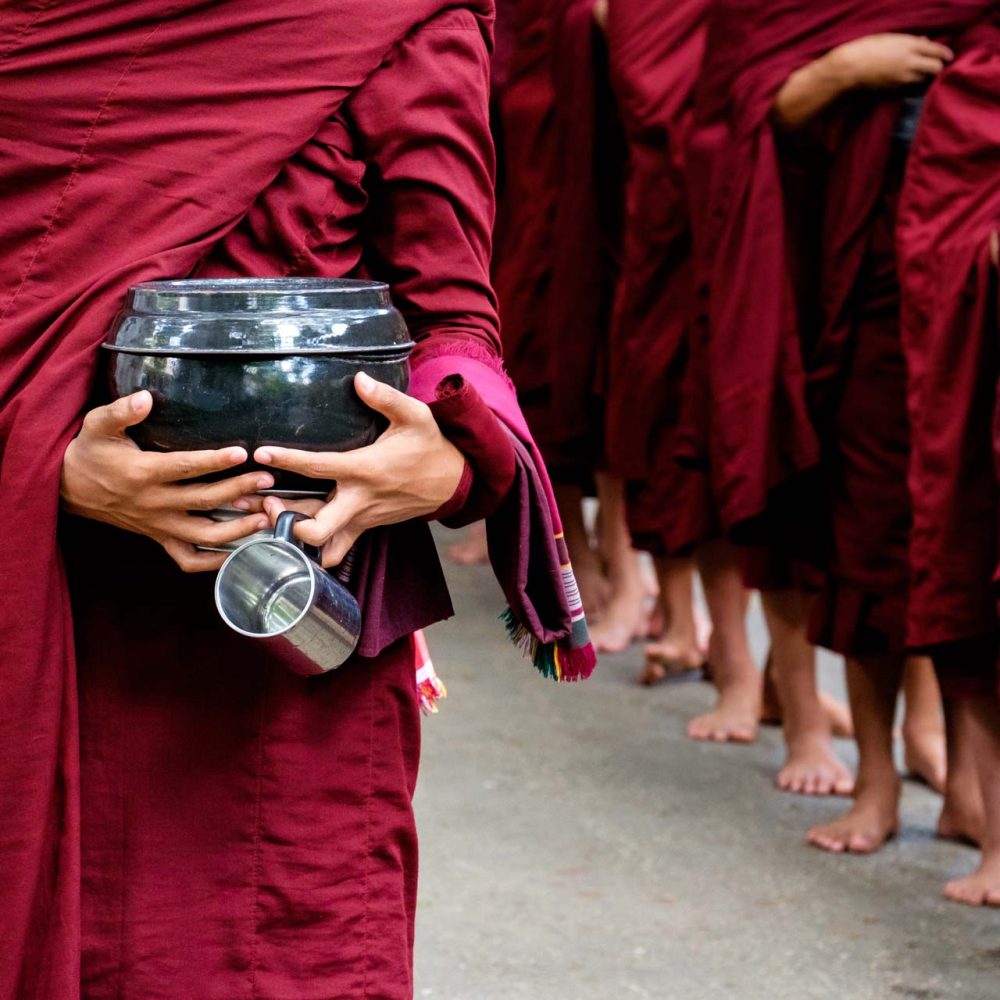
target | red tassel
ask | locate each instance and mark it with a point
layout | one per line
(576, 664)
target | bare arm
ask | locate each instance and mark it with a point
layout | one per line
(874, 62)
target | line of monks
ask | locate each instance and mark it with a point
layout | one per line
(746, 257)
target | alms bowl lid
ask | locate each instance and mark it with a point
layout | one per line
(259, 316)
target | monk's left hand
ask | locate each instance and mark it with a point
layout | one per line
(410, 471)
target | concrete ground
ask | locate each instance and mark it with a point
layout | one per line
(576, 846)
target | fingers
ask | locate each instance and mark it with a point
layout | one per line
(935, 50)
(927, 66)
(111, 420)
(314, 464)
(202, 531)
(330, 519)
(208, 496)
(273, 506)
(172, 466)
(190, 559)
(330, 527)
(391, 403)
(335, 551)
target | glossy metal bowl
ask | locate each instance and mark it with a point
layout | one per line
(258, 361)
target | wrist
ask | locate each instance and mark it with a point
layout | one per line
(839, 69)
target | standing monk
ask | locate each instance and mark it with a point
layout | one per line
(803, 354)
(183, 815)
(949, 248)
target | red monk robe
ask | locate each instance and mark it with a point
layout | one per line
(555, 267)
(245, 832)
(655, 52)
(800, 340)
(949, 218)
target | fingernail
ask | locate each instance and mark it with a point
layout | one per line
(237, 455)
(139, 401)
(366, 380)
(263, 456)
(265, 482)
(241, 504)
(262, 523)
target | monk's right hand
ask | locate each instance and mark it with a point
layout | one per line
(107, 477)
(889, 59)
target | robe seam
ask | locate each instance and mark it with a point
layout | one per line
(26, 27)
(366, 869)
(256, 863)
(43, 240)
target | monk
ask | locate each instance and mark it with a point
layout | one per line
(555, 269)
(949, 252)
(183, 815)
(802, 351)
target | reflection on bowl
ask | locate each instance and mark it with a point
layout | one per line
(257, 362)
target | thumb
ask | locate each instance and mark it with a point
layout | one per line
(111, 420)
(391, 403)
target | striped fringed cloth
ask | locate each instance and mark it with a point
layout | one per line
(544, 615)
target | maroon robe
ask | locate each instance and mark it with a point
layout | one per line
(556, 264)
(800, 339)
(245, 832)
(750, 421)
(949, 213)
(655, 53)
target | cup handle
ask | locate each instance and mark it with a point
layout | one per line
(285, 524)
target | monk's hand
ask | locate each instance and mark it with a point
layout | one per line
(410, 471)
(888, 60)
(879, 62)
(600, 14)
(107, 477)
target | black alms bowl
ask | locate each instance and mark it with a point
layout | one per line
(258, 361)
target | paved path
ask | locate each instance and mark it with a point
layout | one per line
(575, 846)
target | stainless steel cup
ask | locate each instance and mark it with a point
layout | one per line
(271, 589)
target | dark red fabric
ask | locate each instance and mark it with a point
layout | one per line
(522, 259)
(147, 140)
(949, 212)
(585, 238)
(246, 832)
(475, 430)
(861, 609)
(555, 265)
(655, 50)
(750, 420)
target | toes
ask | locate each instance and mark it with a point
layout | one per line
(961, 890)
(844, 785)
(861, 843)
(825, 841)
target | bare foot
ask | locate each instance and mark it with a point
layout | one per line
(623, 621)
(656, 621)
(595, 591)
(963, 818)
(926, 757)
(670, 659)
(838, 715)
(812, 768)
(471, 551)
(982, 887)
(734, 718)
(868, 824)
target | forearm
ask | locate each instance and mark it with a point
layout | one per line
(810, 90)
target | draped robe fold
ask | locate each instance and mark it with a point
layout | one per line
(949, 218)
(556, 265)
(801, 421)
(204, 822)
(655, 49)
